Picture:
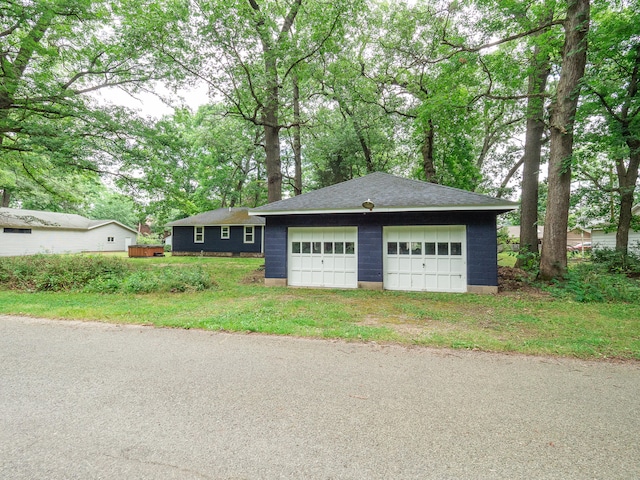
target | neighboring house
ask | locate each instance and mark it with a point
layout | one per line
(578, 235)
(514, 233)
(384, 232)
(574, 236)
(223, 232)
(607, 239)
(28, 232)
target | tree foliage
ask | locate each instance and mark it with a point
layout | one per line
(53, 55)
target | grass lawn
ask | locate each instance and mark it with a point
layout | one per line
(528, 323)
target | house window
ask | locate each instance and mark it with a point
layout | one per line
(110, 239)
(248, 234)
(198, 234)
(224, 233)
(17, 230)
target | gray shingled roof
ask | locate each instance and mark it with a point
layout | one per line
(18, 218)
(221, 216)
(388, 193)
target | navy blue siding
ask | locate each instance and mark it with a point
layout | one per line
(183, 240)
(275, 251)
(370, 253)
(482, 254)
(481, 240)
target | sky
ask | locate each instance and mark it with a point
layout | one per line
(151, 104)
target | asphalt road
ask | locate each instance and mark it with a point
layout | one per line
(98, 401)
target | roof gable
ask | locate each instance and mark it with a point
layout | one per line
(388, 193)
(221, 216)
(18, 218)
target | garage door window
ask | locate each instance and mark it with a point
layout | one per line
(429, 248)
(339, 248)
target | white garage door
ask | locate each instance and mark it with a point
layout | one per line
(323, 257)
(425, 258)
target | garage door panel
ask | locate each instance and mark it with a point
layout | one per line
(431, 281)
(422, 258)
(458, 266)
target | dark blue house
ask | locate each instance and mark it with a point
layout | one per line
(224, 232)
(384, 232)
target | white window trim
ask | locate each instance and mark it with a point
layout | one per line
(249, 230)
(225, 232)
(196, 233)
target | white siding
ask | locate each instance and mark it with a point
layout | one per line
(48, 240)
(96, 239)
(600, 239)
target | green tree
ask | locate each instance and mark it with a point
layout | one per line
(190, 163)
(553, 259)
(245, 52)
(611, 110)
(53, 55)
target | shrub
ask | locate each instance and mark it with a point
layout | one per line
(591, 282)
(96, 274)
(58, 272)
(528, 261)
(616, 261)
(164, 279)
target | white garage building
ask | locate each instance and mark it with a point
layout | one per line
(29, 232)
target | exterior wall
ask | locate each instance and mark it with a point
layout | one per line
(370, 253)
(482, 256)
(96, 239)
(275, 250)
(600, 239)
(482, 252)
(48, 240)
(183, 241)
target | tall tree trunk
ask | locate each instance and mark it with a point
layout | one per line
(297, 144)
(532, 152)
(6, 197)
(627, 178)
(427, 154)
(272, 101)
(368, 157)
(366, 150)
(272, 132)
(553, 260)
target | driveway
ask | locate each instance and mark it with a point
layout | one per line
(98, 401)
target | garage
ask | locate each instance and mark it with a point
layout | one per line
(425, 258)
(384, 232)
(323, 257)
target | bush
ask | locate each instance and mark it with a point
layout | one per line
(96, 274)
(528, 261)
(165, 279)
(591, 282)
(615, 261)
(58, 272)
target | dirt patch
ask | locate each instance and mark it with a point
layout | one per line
(255, 277)
(511, 279)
